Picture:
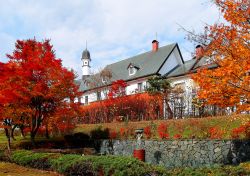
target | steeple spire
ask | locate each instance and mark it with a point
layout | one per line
(86, 59)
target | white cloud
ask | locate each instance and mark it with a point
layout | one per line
(115, 29)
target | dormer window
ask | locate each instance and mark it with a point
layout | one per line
(132, 68)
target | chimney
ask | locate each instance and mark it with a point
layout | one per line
(199, 51)
(155, 45)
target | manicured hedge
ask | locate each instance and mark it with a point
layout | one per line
(85, 165)
(77, 165)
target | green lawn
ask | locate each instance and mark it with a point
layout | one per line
(19, 139)
(3, 140)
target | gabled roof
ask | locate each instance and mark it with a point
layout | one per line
(149, 64)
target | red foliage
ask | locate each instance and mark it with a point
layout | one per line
(216, 133)
(177, 136)
(163, 131)
(118, 88)
(241, 131)
(34, 85)
(112, 134)
(133, 107)
(123, 133)
(147, 132)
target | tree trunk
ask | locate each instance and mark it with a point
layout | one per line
(22, 132)
(47, 131)
(12, 132)
(7, 134)
(32, 138)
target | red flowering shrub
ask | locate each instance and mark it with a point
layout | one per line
(133, 107)
(237, 132)
(242, 131)
(216, 133)
(166, 136)
(147, 132)
(163, 131)
(177, 136)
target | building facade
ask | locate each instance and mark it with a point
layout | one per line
(166, 61)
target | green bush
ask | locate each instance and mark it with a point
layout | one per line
(71, 165)
(62, 163)
(85, 165)
(242, 169)
(29, 158)
(81, 169)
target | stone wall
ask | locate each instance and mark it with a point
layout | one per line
(179, 153)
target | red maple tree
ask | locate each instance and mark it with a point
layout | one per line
(35, 81)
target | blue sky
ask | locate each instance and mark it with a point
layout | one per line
(114, 29)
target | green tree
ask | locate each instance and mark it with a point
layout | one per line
(160, 86)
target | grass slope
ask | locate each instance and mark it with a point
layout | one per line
(199, 127)
(14, 169)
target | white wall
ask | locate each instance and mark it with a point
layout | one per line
(132, 88)
(188, 86)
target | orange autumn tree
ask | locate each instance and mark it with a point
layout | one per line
(228, 46)
(37, 81)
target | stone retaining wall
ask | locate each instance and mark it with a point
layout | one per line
(179, 153)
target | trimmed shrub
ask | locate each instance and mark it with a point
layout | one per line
(77, 165)
(85, 165)
(64, 162)
(29, 158)
(81, 169)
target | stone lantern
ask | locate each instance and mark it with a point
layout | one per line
(139, 152)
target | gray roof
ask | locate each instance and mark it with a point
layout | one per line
(189, 66)
(149, 63)
(181, 69)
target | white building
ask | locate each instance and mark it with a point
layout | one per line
(164, 61)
